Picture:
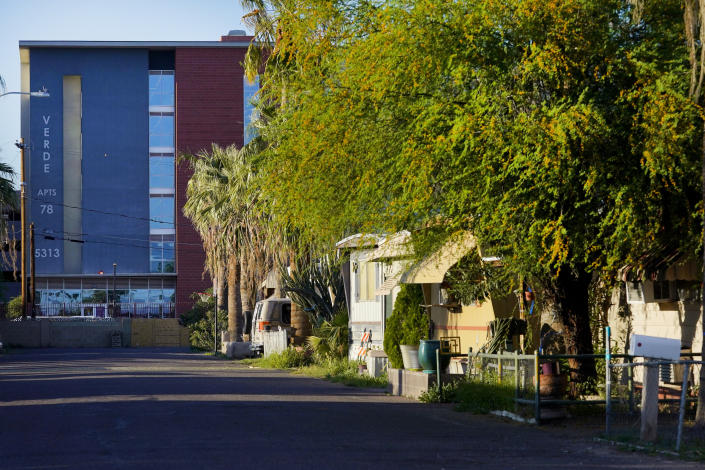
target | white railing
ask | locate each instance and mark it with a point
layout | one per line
(106, 310)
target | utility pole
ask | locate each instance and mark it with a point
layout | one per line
(114, 276)
(21, 145)
(215, 321)
(32, 279)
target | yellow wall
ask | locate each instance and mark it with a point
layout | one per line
(471, 325)
(158, 332)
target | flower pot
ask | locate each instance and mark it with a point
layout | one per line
(549, 368)
(553, 385)
(427, 355)
(410, 356)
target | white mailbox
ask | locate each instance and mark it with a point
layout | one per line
(656, 347)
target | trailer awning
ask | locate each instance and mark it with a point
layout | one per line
(395, 246)
(432, 269)
(389, 284)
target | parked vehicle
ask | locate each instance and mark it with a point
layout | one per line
(269, 315)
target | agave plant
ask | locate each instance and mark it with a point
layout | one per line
(318, 289)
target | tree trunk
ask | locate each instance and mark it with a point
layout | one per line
(219, 289)
(700, 413)
(245, 297)
(569, 293)
(299, 318)
(234, 304)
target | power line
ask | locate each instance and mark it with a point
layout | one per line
(52, 231)
(106, 212)
(51, 235)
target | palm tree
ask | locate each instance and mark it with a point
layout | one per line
(198, 208)
(8, 202)
(221, 199)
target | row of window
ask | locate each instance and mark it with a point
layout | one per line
(663, 291)
(101, 296)
(161, 171)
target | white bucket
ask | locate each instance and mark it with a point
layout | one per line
(410, 356)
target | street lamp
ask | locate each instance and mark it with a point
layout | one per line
(43, 93)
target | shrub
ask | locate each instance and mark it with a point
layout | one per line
(330, 339)
(14, 308)
(288, 359)
(201, 336)
(199, 309)
(343, 371)
(476, 395)
(408, 323)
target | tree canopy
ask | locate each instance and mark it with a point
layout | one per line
(560, 133)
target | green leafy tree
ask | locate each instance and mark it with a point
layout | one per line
(561, 134)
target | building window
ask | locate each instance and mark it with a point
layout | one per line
(161, 254)
(662, 290)
(161, 212)
(161, 171)
(635, 292)
(161, 129)
(161, 88)
(250, 89)
(689, 291)
(366, 281)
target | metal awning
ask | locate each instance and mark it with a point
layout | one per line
(395, 246)
(432, 269)
(660, 264)
(389, 284)
(359, 241)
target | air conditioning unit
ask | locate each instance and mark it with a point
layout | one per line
(655, 347)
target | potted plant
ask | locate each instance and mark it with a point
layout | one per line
(407, 325)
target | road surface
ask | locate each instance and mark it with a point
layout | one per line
(171, 409)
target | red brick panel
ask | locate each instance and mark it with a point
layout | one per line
(209, 109)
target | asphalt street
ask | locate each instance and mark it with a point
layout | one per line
(171, 409)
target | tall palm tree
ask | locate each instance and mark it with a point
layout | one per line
(221, 197)
(8, 202)
(198, 208)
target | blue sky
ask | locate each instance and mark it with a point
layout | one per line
(98, 20)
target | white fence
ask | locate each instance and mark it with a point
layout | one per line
(274, 341)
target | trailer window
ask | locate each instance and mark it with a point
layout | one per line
(286, 314)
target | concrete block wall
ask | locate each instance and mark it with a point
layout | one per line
(82, 333)
(65, 333)
(411, 384)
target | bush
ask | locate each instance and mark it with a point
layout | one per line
(334, 370)
(476, 395)
(330, 339)
(343, 371)
(14, 308)
(201, 336)
(408, 323)
(290, 358)
(199, 309)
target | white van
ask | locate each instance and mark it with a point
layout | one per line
(269, 315)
